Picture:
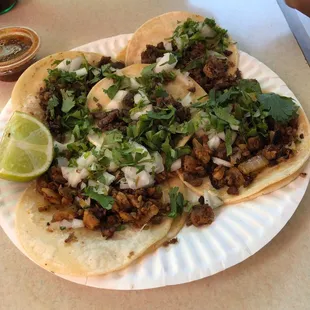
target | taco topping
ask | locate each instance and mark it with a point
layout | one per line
(200, 48)
(245, 132)
(109, 163)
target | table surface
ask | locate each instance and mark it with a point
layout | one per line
(278, 276)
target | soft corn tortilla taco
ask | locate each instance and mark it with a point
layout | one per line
(90, 254)
(25, 95)
(161, 29)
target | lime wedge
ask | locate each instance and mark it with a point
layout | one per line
(26, 148)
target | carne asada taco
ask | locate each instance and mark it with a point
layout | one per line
(111, 193)
(188, 42)
(252, 143)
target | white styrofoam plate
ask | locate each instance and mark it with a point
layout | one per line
(238, 232)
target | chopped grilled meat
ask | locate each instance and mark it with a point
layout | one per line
(126, 217)
(41, 182)
(62, 215)
(90, 221)
(71, 238)
(201, 215)
(217, 184)
(151, 53)
(68, 193)
(189, 164)
(277, 137)
(149, 210)
(104, 61)
(255, 143)
(117, 65)
(135, 201)
(108, 232)
(202, 152)
(233, 190)
(163, 176)
(271, 151)
(227, 53)
(248, 179)
(44, 208)
(220, 152)
(219, 172)
(234, 177)
(157, 219)
(122, 200)
(109, 118)
(303, 174)
(128, 100)
(154, 192)
(201, 200)
(51, 196)
(192, 179)
(192, 89)
(171, 241)
(56, 175)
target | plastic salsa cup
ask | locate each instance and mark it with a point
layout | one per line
(18, 49)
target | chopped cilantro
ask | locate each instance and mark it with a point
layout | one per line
(53, 102)
(68, 101)
(106, 202)
(281, 109)
(177, 202)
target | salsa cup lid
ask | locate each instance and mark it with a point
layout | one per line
(18, 45)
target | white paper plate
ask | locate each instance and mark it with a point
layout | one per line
(238, 232)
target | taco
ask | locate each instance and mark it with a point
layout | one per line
(252, 143)
(111, 193)
(189, 42)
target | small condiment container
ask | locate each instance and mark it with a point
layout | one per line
(18, 49)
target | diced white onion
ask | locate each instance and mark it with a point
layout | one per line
(168, 46)
(95, 139)
(76, 64)
(187, 100)
(221, 135)
(212, 200)
(178, 42)
(112, 165)
(85, 161)
(116, 102)
(73, 175)
(221, 162)
(76, 223)
(64, 65)
(143, 111)
(214, 142)
(62, 161)
(176, 165)
(206, 31)
(92, 183)
(134, 84)
(82, 185)
(158, 161)
(63, 146)
(137, 180)
(109, 178)
(141, 97)
(81, 72)
(162, 64)
(234, 127)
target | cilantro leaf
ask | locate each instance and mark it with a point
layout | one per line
(172, 59)
(162, 114)
(112, 90)
(281, 109)
(177, 202)
(249, 86)
(148, 70)
(225, 115)
(68, 101)
(228, 141)
(53, 102)
(106, 202)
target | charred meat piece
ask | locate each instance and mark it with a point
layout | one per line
(104, 61)
(62, 215)
(233, 190)
(215, 68)
(255, 143)
(148, 211)
(201, 215)
(219, 172)
(122, 200)
(271, 151)
(71, 238)
(128, 100)
(163, 176)
(110, 117)
(192, 179)
(151, 53)
(234, 177)
(202, 152)
(51, 196)
(220, 152)
(90, 221)
(190, 164)
(56, 175)
(117, 65)
(41, 182)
